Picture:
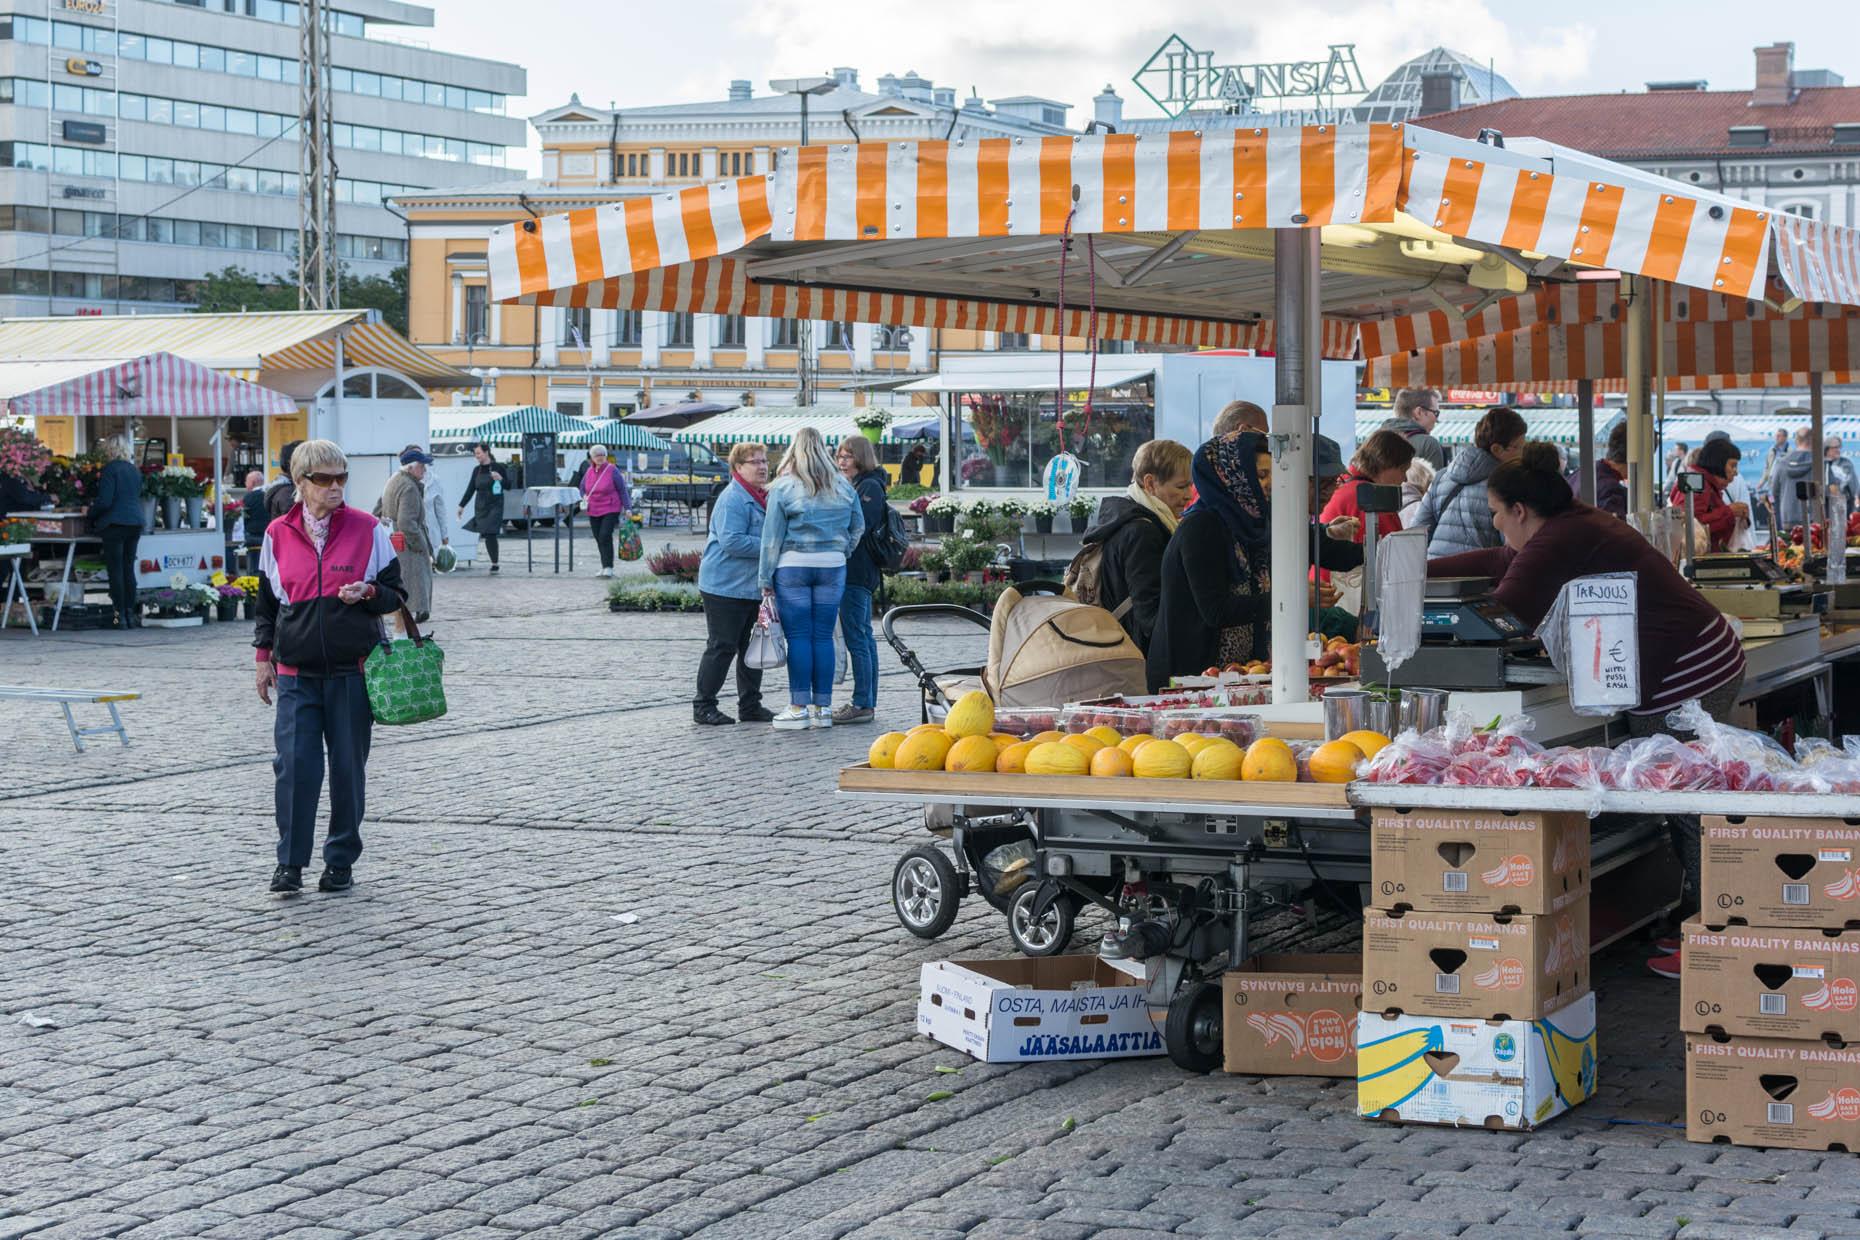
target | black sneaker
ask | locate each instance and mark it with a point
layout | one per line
(336, 878)
(287, 880)
(710, 716)
(755, 714)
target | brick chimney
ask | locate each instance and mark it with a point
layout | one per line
(1775, 67)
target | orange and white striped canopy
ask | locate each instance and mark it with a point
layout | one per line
(1720, 350)
(1180, 181)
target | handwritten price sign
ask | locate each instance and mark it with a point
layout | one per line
(1604, 653)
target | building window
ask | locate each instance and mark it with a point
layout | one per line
(731, 333)
(839, 336)
(575, 327)
(786, 335)
(627, 328)
(1116, 346)
(678, 334)
(892, 338)
(573, 408)
(1804, 209)
(1011, 342)
(477, 312)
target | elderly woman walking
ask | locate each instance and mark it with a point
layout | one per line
(812, 527)
(608, 499)
(327, 577)
(727, 584)
(117, 514)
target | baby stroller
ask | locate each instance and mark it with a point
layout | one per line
(1044, 650)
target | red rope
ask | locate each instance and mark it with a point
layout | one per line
(1091, 338)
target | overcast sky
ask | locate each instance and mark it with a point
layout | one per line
(639, 52)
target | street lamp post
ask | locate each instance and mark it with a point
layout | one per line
(803, 87)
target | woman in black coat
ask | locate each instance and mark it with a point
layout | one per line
(1216, 603)
(1134, 529)
(485, 493)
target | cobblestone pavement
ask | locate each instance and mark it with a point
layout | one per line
(471, 1045)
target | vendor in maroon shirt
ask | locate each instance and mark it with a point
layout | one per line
(1687, 649)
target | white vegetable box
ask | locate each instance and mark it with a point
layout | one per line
(1010, 1011)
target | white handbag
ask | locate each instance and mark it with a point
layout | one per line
(767, 649)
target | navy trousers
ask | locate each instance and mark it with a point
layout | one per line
(317, 713)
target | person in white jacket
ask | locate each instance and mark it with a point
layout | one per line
(438, 512)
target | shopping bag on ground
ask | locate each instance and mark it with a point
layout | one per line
(403, 677)
(768, 649)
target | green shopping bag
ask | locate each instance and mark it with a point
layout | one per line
(403, 677)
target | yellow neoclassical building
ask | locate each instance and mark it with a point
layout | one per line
(606, 362)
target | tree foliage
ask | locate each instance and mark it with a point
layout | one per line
(234, 289)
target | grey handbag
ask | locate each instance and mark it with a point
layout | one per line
(767, 649)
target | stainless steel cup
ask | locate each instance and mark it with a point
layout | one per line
(1345, 711)
(1423, 709)
(1381, 715)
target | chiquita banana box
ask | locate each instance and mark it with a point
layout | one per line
(1511, 1074)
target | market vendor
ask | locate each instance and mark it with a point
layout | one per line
(1687, 648)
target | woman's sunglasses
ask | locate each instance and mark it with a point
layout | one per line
(329, 480)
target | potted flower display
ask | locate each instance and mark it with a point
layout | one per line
(22, 457)
(1013, 517)
(152, 485)
(1043, 511)
(175, 605)
(940, 514)
(1079, 509)
(934, 564)
(248, 594)
(181, 486)
(977, 519)
(872, 422)
(15, 531)
(968, 557)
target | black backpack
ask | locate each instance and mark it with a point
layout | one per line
(889, 541)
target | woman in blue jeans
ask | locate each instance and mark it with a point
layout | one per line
(812, 527)
(858, 462)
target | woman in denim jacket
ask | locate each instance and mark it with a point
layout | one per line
(727, 583)
(812, 526)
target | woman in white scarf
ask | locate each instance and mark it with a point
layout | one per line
(1132, 530)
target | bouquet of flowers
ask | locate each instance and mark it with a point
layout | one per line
(22, 456)
(72, 481)
(922, 502)
(179, 481)
(247, 586)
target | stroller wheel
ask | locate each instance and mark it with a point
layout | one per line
(1047, 936)
(1192, 1034)
(925, 891)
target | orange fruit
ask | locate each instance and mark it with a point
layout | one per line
(1109, 761)
(1162, 760)
(1084, 743)
(923, 751)
(1130, 744)
(1105, 735)
(883, 750)
(971, 753)
(1335, 762)
(1218, 761)
(1013, 759)
(1269, 760)
(1057, 758)
(1369, 742)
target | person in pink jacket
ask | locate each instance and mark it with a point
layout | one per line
(608, 499)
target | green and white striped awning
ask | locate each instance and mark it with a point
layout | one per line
(501, 425)
(1456, 426)
(777, 426)
(616, 433)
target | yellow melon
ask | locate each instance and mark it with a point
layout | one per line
(925, 727)
(1111, 762)
(1084, 743)
(1130, 744)
(1057, 758)
(1106, 735)
(883, 750)
(1335, 762)
(1269, 760)
(1003, 740)
(1218, 762)
(922, 751)
(1013, 759)
(1369, 742)
(972, 715)
(1193, 743)
(1048, 735)
(971, 753)
(1162, 760)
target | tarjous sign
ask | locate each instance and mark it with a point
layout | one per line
(1604, 654)
(1177, 77)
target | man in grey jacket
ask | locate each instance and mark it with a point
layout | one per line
(403, 505)
(1417, 412)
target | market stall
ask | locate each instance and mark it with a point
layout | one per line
(147, 399)
(1301, 242)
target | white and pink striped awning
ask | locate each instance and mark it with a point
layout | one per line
(159, 385)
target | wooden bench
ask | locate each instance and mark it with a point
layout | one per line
(65, 699)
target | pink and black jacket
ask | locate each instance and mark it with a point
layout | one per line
(302, 626)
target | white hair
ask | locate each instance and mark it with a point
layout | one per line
(317, 456)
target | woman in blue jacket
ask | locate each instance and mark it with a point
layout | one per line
(812, 528)
(117, 516)
(727, 582)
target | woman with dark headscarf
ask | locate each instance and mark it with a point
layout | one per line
(1216, 589)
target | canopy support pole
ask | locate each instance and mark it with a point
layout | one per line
(1585, 439)
(1641, 471)
(1815, 412)
(946, 446)
(1297, 256)
(219, 479)
(1656, 332)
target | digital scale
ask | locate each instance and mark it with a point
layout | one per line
(1755, 587)
(1469, 640)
